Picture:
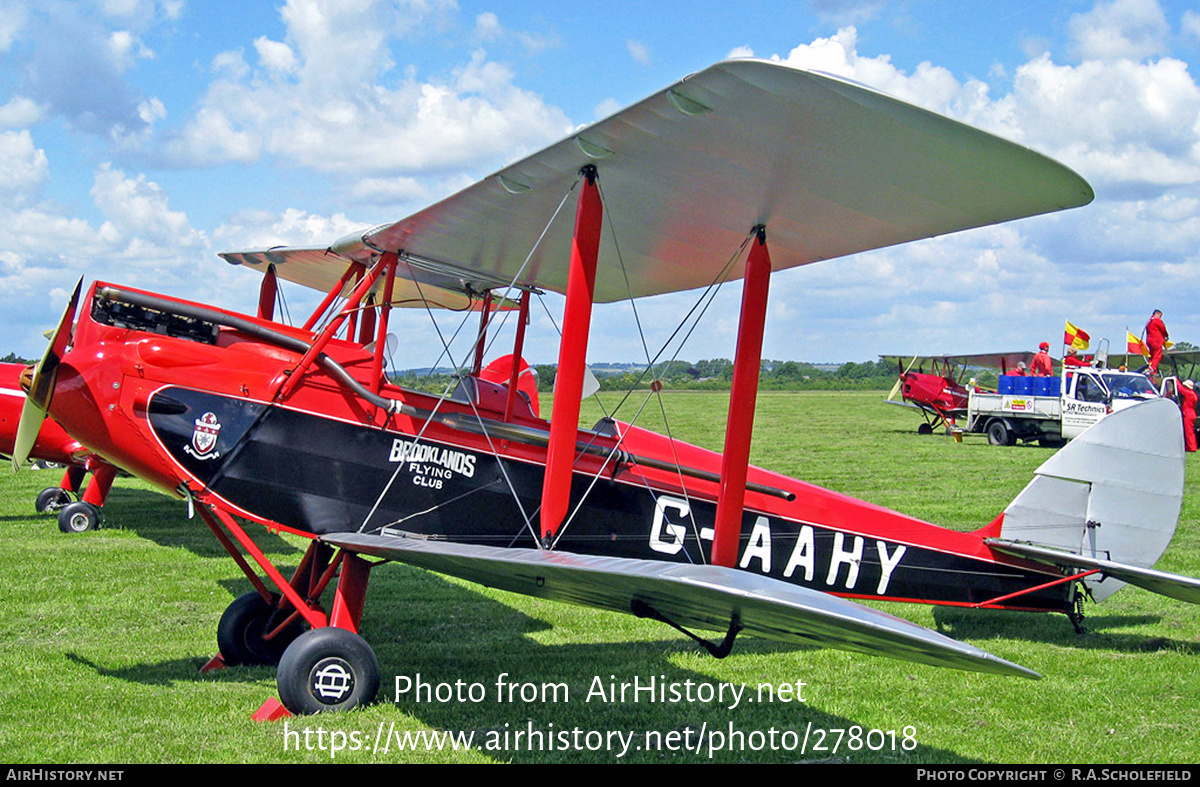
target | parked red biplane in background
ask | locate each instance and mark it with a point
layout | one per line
(299, 430)
(53, 444)
(1181, 364)
(940, 394)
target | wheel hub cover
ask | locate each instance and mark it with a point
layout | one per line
(331, 681)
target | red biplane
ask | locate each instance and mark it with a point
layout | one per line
(299, 429)
(78, 507)
(939, 394)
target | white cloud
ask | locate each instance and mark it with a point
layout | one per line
(638, 51)
(12, 19)
(126, 48)
(1129, 29)
(487, 27)
(23, 167)
(1191, 23)
(845, 12)
(1125, 117)
(75, 69)
(489, 30)
(257, 229)
(275, 56)
(137, 210)
(332, 112)
(19, 112)
(142, 9)
(1125, 124)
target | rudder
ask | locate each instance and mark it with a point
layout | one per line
(1114, 492)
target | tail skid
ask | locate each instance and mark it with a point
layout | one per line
(1108, 502)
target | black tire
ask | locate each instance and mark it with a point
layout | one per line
(327, 669)
(240, 632)
(78, 517)
(998, 434)
(51, 499)
(924, 429)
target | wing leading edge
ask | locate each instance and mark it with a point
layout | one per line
(830, 167)
(705, 597)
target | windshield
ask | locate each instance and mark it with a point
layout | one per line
(1129, 385)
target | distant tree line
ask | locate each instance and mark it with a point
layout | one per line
(714, 374)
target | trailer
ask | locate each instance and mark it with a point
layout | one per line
(1053, 410)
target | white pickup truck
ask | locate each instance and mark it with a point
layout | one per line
(1053, 409)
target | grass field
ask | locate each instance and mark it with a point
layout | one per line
(104, 634)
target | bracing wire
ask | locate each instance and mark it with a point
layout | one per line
(446, 351)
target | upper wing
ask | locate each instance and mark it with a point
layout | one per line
(321, 269)
(980, 360)
(1171, 358)
(830, 167)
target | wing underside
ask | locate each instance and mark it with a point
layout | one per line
(705, 597)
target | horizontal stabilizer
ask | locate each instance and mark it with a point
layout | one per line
(705, 597)
(1170, 585)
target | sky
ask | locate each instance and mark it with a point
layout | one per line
(139, 138)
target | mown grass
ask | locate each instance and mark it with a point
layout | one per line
(103, 635)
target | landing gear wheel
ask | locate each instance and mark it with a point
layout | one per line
(924, 429)
(240, 632)
(998, 434)
(78, 517)
(51, 499)
(327, 669)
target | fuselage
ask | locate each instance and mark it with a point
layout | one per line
(194, 407)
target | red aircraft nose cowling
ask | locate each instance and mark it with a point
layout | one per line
(87, 402)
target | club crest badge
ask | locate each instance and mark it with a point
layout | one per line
(204, 437)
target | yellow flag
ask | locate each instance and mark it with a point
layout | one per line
(1076, 337)
(1136, 345)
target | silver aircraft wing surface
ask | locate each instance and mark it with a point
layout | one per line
(830, 167)
(706, 597)
(1000, 360)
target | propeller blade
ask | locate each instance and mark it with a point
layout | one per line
(41, 386)
(900, 380)
(27, 432)
(895, 389)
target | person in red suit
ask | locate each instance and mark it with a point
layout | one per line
(1156, 339)
(1072, 358)
(1187, 404)
(1042, 366)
